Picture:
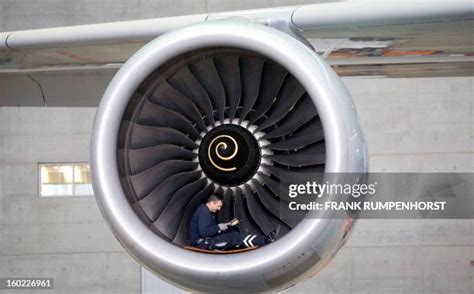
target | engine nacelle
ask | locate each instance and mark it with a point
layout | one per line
(222, 107)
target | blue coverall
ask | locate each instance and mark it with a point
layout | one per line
(204, 233)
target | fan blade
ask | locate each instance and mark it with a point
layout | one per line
(272, 80)
(294, 176)
(302, 113)
(267, 199)
(289, 95)
(259, 216)
(309, 134)
(229, 73)
(142, 159)
(274, 186)
(272, 204)
(122, 135)
(182, 235)
(170, 98)
(172, 109)
(246, 223)
(310, 155)
(144, 182)
(157, 116)
(278, 172)
(154, 203)
(251, 74)
(298, 159)
(188, 84)
(146, 136)
(169, 220)
(206, 73)
(226, 214)
(220, 192)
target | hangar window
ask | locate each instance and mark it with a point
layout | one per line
(72, 179)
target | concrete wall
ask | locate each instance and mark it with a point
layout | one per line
(410, 125)
(61, 237)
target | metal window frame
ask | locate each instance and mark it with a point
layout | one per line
(73, 164)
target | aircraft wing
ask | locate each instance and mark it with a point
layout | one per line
(358, 38)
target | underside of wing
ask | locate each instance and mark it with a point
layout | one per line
(357, 38)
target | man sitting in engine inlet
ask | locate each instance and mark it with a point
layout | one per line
(205, 233)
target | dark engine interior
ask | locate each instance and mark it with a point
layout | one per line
(223, 121)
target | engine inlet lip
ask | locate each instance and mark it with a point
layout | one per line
(338, 119)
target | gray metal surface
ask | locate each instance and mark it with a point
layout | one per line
(358, 38)
(97, 33)
(335, 16)
(354, 14)
(443, 27)
(31, 14)
(303, 251)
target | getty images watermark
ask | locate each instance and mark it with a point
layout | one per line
(355, 191)
(377, 195)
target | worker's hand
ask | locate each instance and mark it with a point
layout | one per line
(223, 227)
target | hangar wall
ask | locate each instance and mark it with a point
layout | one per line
(410, 125)
(61, 237)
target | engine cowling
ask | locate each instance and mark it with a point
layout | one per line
(222, 107)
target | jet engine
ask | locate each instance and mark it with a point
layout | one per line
(223, 107)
